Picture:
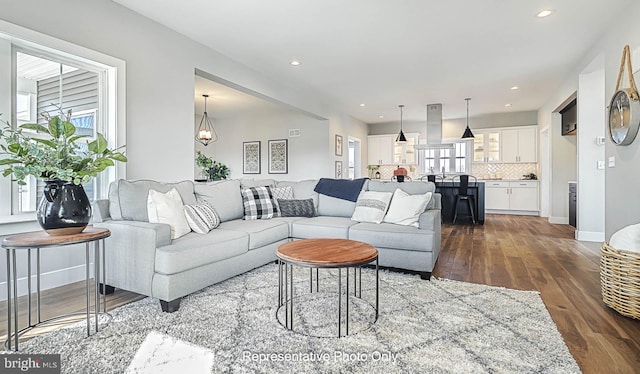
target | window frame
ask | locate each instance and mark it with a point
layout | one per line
(112, 84)
(452, 158)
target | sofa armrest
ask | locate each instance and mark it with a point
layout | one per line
(131, 253)
(100, 210)
(437, 201)
(429, 219)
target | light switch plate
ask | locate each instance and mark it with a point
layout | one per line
(612, 161)
(600, 165)
(600, 140)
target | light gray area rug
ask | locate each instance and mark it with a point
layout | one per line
(424, 327)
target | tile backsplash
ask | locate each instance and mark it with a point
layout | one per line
(503, 171)
(479, 170)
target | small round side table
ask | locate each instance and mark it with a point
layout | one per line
(40, 239)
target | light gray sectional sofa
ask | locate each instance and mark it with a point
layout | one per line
(141, 257)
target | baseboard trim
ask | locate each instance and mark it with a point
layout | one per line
(52, 279)
(513, 212)
(590, 236)
(559, 220)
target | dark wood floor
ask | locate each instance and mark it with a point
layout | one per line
(525, 253)
(528, 253)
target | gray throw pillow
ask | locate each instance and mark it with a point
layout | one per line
(297, 208)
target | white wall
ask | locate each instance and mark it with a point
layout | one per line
(621, 207)
(347, 126)
(308, 153)
(591, 116)
(160, 70)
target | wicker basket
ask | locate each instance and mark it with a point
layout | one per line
(620, 280)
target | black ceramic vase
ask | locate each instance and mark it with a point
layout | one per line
(64, 209)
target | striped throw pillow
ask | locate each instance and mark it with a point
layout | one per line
(201, 217)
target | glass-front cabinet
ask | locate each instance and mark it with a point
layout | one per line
(486, 146)
(404, 152)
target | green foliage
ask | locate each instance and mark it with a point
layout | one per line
(213, 169)
(54, 153)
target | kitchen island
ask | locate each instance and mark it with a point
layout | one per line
(449, 189)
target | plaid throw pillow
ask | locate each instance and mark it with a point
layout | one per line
(258, 203)
(201, 217)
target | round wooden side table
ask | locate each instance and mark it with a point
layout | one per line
(40, 239)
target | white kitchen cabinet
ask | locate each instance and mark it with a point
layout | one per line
(404, 152)
(516, 196)
(381, 149)
(523, 195)
(519, 145)
(496, 195)
(486, 146)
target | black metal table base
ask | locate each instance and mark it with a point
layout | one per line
(286, 293)
(13, 329)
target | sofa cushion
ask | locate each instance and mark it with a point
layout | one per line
(411, 187)
(223, 196)
(389, 235)
(168, 208)
(289, 221)
(371, 206)
(331, 206)
(201, 217)
(322, 227)
(128, 199)
(195, 250)
(258, 203)
(261, 232)
(302, 189)
(248, 183)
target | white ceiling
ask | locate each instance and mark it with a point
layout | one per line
(411, 52)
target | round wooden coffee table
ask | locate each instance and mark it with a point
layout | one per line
(324, 253)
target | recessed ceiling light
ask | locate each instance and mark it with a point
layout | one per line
(381, 116)
(544, 13)
(515, 87)
(295, 63)
(507, 105)
(363, 104)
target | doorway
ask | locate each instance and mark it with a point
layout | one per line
(354, 163)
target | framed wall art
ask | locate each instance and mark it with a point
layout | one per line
(338, 169)
(338, 145)
(251, 157)
(278, 156)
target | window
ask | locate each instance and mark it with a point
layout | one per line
(52, 76)
(446, 160)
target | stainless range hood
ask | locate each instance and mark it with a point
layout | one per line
(434, 129)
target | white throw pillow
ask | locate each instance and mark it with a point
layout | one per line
(406, 209)
(627, 238)
(371, 206)
(168, 208)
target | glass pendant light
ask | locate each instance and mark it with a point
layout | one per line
(206, 133)
(467, 132)
(401, 137)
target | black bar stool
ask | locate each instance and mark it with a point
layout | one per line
(465, 194)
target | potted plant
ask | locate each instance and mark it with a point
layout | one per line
(212, 170)
(54, 154)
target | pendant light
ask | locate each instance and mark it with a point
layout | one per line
(467, 132)
(401, 137)
(206, 133)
